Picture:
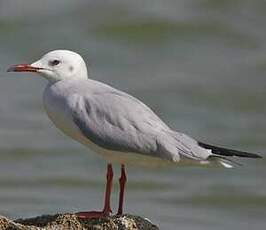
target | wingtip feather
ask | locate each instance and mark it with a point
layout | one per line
(228, 152)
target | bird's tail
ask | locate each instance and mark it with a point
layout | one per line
(221, 155)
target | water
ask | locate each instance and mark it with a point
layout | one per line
(199, 64)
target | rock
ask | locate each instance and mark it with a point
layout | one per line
(71, 221)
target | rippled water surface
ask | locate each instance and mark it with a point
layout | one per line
(201, 65)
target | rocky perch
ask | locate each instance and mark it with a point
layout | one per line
(71, 221)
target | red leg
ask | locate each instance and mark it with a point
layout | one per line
(107, 202)
(107, 207)
(122, 182)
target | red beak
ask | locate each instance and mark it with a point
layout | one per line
(23, 68)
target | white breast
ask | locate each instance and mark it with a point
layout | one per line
(56, 109)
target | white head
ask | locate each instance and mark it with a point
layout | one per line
(56, 65)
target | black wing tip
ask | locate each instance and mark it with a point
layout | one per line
(257, 156)
(228, 152)
(250, 155)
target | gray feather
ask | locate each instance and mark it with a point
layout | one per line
(117, 121)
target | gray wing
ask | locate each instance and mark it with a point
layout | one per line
(119, 122)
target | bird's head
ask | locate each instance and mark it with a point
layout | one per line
(56, 65)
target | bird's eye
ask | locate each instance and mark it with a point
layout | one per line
(54, 62)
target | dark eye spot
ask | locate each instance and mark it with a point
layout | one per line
(54, 62)
(71, 68)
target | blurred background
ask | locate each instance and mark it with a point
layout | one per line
(201, 65)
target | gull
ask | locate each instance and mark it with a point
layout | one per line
(114, 124)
